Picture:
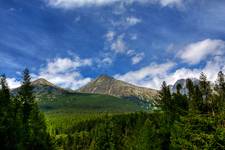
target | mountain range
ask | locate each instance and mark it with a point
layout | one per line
(101, 94)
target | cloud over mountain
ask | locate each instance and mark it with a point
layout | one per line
(65, 72)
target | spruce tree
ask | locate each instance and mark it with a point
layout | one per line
(192, 104)
(4, 113)
(5, 93)
(35, 130)
(8, 133)
(206, 91)
(165, 98)
(220, 89)
(180, 102)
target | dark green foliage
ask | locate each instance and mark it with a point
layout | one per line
(114, 131)
(22, 126)
(203, 126)
(83, 122)
(86, 103)
(220, 92)
(6, 118)
(192, 121)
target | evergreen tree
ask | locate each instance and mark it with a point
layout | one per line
(5, 120)
(192, 104)
(5, 93)
(206, 91)
(165, 98)
(34, 126)
(220, 89)
(180, 102)
(26, 95)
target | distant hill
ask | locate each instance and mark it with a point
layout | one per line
(108, 85)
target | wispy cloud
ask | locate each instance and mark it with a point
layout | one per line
(133, 20)
(137, 58)
(196, 52)
(119, 45)
(69, 4)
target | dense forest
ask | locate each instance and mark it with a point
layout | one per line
(194, 120)
(22, 125)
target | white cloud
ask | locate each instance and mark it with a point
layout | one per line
(68, 4)
(110, 35)
(65, 72)
(146, 76)
(165, 3)
(107, 61)
(137, 58)
(119, 46)
(152, 76)
(196, 52)
(132, 20)
(13, 83)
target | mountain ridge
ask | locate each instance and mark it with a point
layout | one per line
(108, 85)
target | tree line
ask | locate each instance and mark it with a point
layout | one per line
(195, 120)
(22, 125)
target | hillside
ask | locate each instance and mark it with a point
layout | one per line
(108, 85)
(86, 103)
(52, 98)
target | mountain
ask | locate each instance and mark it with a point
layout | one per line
(182, 82)
(108, 85)
(53, 99)
(43, 87)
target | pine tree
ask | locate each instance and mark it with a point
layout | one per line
(165, 98)
(35, 130)
(191, 96)
(5, 93)
(220, 89)
(4, 113)
(26, 95)
(206, 91)
(180, 102)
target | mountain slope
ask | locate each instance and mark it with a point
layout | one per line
(53, 99)
(86, 103)
(110, 86)
(44, 87)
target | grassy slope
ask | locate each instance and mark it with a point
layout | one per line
(86, 103)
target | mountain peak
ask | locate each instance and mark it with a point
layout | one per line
(104, 77)
(42, 81)
(105, 84)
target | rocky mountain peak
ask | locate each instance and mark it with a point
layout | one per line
(105, 84)
(42, 81)
(104, 77)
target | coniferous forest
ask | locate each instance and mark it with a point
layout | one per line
(195, 120)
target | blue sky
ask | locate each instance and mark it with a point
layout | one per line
(144, 42)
